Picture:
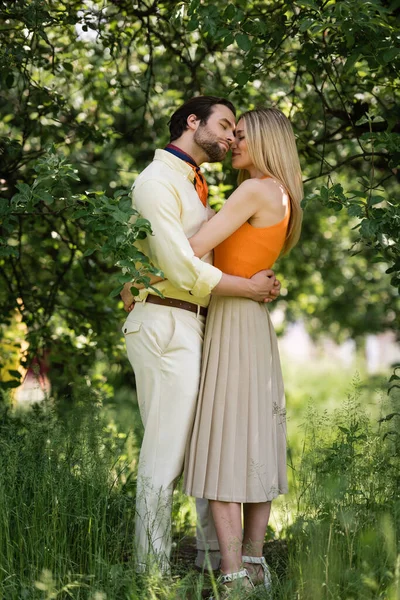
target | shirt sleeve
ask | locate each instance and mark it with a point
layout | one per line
(169, 248)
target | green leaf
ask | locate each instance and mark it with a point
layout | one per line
(127, 264)
(376, 200)
(116, 291)
(6, 385)
(121, 192)
(24, 189)
(324, 193)
(242, 78)
(229, 39)
(88, 252)
(14, 373)
(306, 24)
(47, 198)
(368, 228)
(390, 416)
(309, 3)
(81, 213)
(355, 210)
(68, 67)
(125, 278)
(243, 41)
(364, 119)
(337, 189)
(239, 15)
(10, 80)
(230, 12)
(344, 429)
(390, 54)
(357, 193)
(351, 61)
(192, 25)
(134, 291)
(391, 270)
(142, 223)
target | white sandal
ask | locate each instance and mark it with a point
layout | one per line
(260, 560)
(229, 577)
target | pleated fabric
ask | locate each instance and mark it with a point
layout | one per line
(237, 452)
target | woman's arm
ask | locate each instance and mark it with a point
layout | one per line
(242, 204)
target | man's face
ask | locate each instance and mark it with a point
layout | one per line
(216, 136)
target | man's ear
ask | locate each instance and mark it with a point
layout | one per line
(193, 122)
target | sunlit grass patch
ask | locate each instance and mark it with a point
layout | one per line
(67, 507)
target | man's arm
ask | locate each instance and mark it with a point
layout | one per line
(169, 247)
(172, 253)
(262, 287)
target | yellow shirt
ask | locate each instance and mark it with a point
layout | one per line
(165, 195)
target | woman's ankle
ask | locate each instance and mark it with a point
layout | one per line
(233, 565)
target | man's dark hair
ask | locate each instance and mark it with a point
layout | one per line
(201, 106)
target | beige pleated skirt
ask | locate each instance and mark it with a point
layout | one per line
(237, 452)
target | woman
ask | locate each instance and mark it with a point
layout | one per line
(237, 454)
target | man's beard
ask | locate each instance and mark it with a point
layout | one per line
(208, 142)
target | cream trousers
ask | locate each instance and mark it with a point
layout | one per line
(164, 347)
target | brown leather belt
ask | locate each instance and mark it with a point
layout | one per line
(202, 310)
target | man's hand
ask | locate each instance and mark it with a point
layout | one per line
(264, 286)
(127, 297)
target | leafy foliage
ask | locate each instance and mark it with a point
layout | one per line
(347, 483)
(86, 91)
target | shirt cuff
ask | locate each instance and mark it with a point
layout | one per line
(207, 280)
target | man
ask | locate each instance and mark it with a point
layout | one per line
(164, 336)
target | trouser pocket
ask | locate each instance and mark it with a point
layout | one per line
(131, 327)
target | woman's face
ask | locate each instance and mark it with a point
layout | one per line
(240, 154)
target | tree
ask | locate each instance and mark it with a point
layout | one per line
(86, 92)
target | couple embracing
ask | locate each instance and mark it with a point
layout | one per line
(215, 409)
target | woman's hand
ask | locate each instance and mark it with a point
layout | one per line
(275, 292)
(265, 286)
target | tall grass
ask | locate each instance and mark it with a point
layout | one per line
(67, 510)
(345, 540)
(63, 510)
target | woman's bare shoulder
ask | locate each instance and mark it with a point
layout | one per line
(268, 189)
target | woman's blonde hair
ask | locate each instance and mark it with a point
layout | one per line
(272, 149)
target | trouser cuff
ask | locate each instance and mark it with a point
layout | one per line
(206, 559)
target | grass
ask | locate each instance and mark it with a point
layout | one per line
(67, 502)
(63, 508)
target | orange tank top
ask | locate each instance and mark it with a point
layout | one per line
(250, 249)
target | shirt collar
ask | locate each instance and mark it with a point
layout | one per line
(172, 149)
(175, 163)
